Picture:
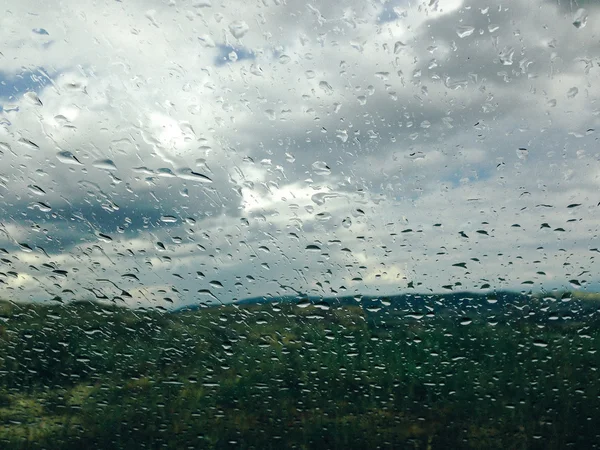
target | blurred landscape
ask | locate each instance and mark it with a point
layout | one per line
(503, 370)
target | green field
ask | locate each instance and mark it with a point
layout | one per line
(280, 376)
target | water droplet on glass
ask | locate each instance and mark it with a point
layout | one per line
(304, 303)
(168, 219)
(188, 174)
(67, 157)
(326, 87)
(398, 47)
(464, 31)
(321, 168)
(580, 18)
(522, 153)
(571, 93)
(130, 276)
(32, 98)
(104, 164)
(34, 189)
(238, 28)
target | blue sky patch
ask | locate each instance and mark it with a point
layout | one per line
(222, 57)
(13, 86)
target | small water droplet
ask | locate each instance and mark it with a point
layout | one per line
(522, 153)
(326, 87)
(168, 219)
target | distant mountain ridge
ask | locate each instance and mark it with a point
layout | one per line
(455, 302)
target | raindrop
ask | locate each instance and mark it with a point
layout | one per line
(36, 190)
(238, 28)
(571, 93)
(540, 343)
(464, 31)
(43, 207)
(104, 164)
(29, 143)
(398, 47)
(321, 168)
(67, 157)
(304, 303)
(326, 87)
(466, 321)
(33, 98)
(25, 247)
(168, 219)
(522, 153)
(104, 237)
(313, 248)
(189, 174)
(342, 135)
(580, 18)
(130, 276)
(323, 217)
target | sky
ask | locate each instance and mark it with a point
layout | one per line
(164, 153)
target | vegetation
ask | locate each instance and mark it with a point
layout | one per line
(467, 375)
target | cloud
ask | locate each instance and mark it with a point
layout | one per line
(176, 152)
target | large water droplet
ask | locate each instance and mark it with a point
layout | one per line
(580, 18)
(34, 189)
(67, 157)
(189, 174)
(464, 31)
(104, 164)
(238, 28)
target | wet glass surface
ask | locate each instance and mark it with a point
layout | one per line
(299, 225)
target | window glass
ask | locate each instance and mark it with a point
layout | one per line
(294, 224)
